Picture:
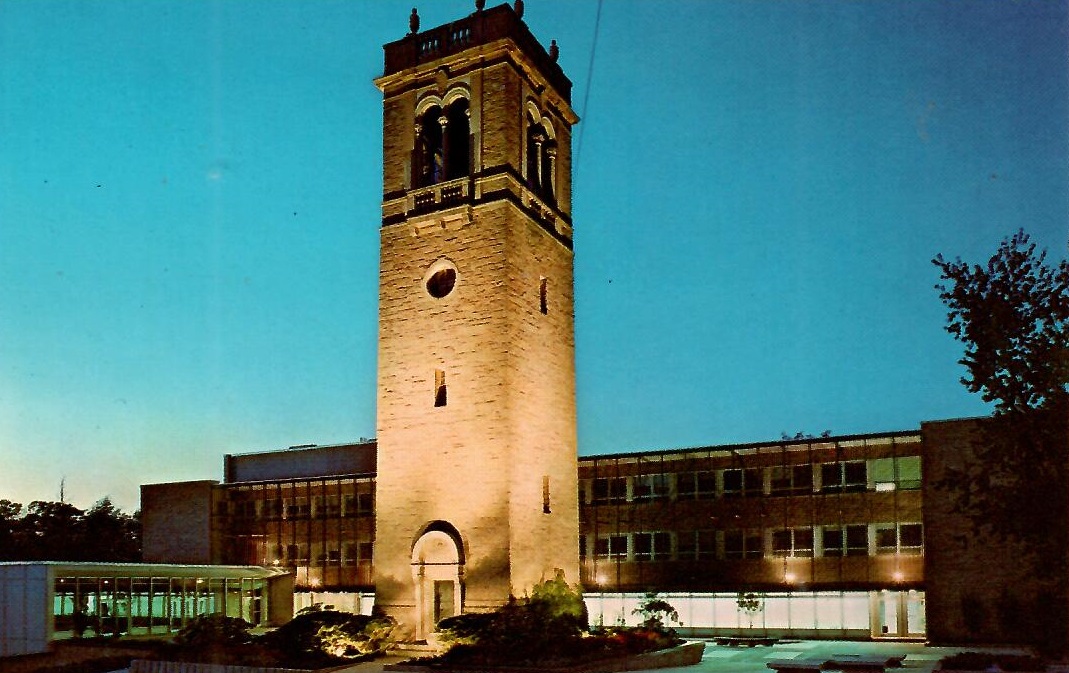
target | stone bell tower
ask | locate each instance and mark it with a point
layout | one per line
(476, 486)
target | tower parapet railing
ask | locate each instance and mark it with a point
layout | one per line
(441, 195)
(482, 27)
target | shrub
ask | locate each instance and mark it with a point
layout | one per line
(654, 611)
(464, 629)
(209, 631)
(320, 634)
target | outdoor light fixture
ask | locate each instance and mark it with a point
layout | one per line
(897, 576)
(789, 578)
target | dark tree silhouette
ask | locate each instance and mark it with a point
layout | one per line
(59, 531)
(1012, 315)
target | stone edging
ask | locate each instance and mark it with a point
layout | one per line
(682, 655)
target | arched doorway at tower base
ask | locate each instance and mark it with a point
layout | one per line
(437, 573)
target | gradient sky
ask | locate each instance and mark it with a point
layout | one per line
(189, 213)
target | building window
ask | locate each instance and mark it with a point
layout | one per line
(332, 507)
(743, 544)
(349, 553)
(791, 479)
(297, 508)
(903, 538)
(706, 544)
(365, 550)
(743, 482)
(911, 538)
(582, 547)
(890, 474)
(611, 547)
(543, 287)
(852, 540)
(439, 388)
(908, 473)
(652, 487)
(652, 546)
(793, 542)
(609, 489)
(844, 477)
(696, 485)
(545, 494)
(686, 545)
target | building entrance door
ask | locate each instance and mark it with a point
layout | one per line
(898, 614)
(443, 599)
(436, 568)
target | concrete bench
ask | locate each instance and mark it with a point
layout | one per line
(742, 641)
(797, 665)
(858, 663)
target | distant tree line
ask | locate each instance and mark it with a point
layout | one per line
(59, 531)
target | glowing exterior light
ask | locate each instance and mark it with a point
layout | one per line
(898, 576)
(789, 578)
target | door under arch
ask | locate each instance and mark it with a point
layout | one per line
(437, 564)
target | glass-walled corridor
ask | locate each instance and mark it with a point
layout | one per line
(85, 606)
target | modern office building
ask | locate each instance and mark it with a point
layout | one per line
(828, 533)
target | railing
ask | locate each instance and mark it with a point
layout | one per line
(443, 194)
(479, 28)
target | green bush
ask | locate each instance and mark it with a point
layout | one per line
(209, 631)
(464, 629)
(546, 628)
(328, 634)
(655, 611)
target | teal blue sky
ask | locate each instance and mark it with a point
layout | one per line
(189, 213)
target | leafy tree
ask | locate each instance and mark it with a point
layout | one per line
(59, 531)
(109, 534)
(9, 528)
(655, 611)
(1012, 315)
(51, 531)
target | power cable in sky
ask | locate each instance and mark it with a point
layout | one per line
(586, 94)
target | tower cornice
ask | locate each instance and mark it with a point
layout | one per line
(480, 36)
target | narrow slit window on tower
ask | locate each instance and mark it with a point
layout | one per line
(543, 286)
(439, 388)
(545, 494)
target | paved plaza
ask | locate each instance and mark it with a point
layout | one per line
(719, 659)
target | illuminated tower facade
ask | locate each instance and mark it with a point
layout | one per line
(476, 478)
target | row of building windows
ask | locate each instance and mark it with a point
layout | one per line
(803, 541)
(315, 507)
(349, 553)
(851, 476)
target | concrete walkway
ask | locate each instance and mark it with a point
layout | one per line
(718, 659)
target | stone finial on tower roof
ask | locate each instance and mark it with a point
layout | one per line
(480, 5)
(554, 50)
(413, 21)
(519, 8)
